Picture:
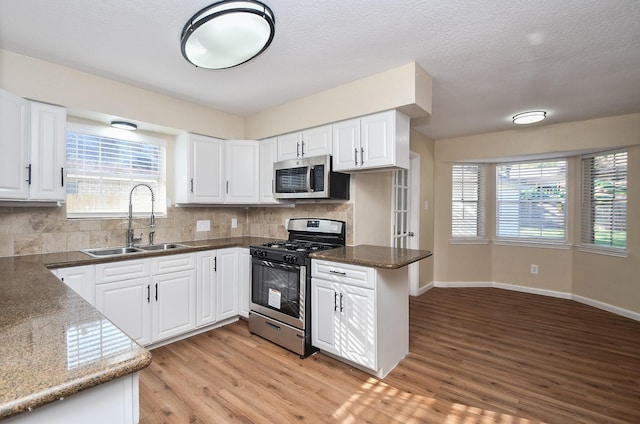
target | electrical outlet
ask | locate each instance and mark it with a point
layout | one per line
(234, 223)
(203, 225)
(534, 269)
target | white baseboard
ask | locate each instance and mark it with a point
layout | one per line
(424, 289)
(551, 293)
(606, 307)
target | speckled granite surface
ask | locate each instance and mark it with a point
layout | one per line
(52, 342)
(374, 256)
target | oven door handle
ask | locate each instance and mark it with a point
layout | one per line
(275, 264)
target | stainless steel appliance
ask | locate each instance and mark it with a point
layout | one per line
(309, 178)
(281, 282)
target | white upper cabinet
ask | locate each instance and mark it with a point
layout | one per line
(32, 149)
(374, 142)
(268, 156)
(308, 143)
(213, 171)
(242, 171)
(48, 152)
(14, 146)
(199, 169)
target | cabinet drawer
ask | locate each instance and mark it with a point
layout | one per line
(173, 263)
(354, 275)
(122, 270)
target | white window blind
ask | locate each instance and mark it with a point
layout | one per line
(467, 201)
(102, 168)
(604, 200)
(531, 201)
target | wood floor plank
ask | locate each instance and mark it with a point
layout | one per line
(477, 355)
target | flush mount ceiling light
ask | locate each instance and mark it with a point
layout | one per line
(124, 125)
(227, 34)
(529, 117)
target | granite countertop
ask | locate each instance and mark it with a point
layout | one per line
(45, 349)
(374, 256)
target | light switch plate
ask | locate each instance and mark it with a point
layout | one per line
(203, 225)
(234, 223)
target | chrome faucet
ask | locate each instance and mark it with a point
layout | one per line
(131, 239)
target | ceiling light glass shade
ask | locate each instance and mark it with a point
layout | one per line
(529, 117)
(124, 125)
(227, 34)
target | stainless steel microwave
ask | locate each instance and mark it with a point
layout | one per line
(309, 178)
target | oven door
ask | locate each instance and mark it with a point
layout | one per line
(278, 291)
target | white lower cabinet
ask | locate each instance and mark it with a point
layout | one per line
(127, 304)
(217, 288)
(174, 307)
(81, 279)
(360, 314)
(157, 305)
(244, 281)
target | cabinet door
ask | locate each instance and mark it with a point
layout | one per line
(206, 166)
(289, 146)
(14, 146)
(127, 305)
(206, 288)
(48, 147)
(268, 156)
(358, 325)
(227, 283)
(316, 141)
(244, 281)
(346, 145)
(81, 279)
(242, 169)
(377, 140)
(173, 305)
(325, 316)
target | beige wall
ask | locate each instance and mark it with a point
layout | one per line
(407, 88)
(602, 278)
(79, 91)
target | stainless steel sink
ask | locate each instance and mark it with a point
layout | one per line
(163, 246)
(111, 251)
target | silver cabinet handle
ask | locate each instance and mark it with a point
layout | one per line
(191, 185)
(297, 149)
(356, 155)
(337, 272)
(335, 301)
(341, 305)
(362, 156)
(303, 148)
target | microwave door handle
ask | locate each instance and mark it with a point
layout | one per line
(311, 179)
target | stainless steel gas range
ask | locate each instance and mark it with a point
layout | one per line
(281, 282)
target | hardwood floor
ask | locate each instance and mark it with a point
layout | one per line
(477, 355)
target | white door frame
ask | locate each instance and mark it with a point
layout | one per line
(411, 234)
(414, 215)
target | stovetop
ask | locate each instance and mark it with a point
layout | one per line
(298, 246)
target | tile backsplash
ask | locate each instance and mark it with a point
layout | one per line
(35, 230)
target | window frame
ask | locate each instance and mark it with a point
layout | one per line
(480, 205)
(133, 137)
(537, 241)
(586, 203)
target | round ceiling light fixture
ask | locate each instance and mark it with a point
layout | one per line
(124, 125)
(529, 117)
(227, 34)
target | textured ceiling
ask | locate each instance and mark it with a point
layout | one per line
(577, 59)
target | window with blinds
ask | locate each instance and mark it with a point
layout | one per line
(604, 200)
(102, 168)
(467, 201)
(531, 201)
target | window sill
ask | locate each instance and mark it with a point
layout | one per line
(601, 250)
(536, 244)
(468, 241)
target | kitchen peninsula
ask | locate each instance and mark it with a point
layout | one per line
(360, 305)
